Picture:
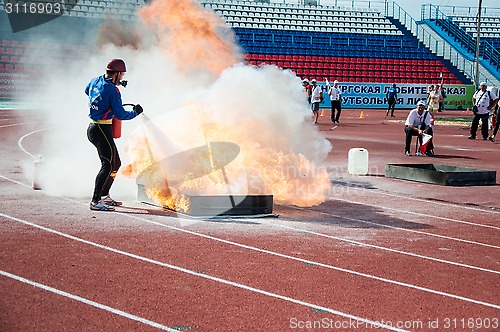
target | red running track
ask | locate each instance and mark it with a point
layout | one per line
(405, 255)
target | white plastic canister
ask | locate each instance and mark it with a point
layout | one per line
(37, 171)
(357, 162)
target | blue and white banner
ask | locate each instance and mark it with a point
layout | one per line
(367, 96)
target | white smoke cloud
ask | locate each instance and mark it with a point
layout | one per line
(267, 99)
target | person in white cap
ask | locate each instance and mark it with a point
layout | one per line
(482, 101)
(316, 99)
(307, 89)
(417, 123)
(335, 95)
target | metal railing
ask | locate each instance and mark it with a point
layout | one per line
(487, 51)
(440, 48)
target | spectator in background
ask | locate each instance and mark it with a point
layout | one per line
(391, 96)
(497, 121)
(336, 101)
(441, 100)
(434, 97)
(316, 99)
(307, 89)
(483, 100)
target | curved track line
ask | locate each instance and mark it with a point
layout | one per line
(201, 275)
(20, 142)
(86, 301)
(418, 214)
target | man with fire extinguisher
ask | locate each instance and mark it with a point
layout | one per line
(106, 109)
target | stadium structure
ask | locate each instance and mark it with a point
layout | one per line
(359, 42)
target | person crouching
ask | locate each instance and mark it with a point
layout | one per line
(417, 123)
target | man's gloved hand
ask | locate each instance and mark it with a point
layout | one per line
(138, 109)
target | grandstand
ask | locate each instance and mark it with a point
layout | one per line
(352, 41)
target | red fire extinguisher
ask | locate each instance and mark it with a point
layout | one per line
(116, 126)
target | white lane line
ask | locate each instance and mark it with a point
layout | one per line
(274, 223)
(418, 213)
(20, 142)
(385, 248)
(398, 228)
(295, 229)
(431, 201)
(390, 281)
(86, 301)
(16, 182)
(201, 275)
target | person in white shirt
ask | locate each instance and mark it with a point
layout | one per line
(335, 95)
(434, 97)
(417, 123)
(316, 98)
(482, 100)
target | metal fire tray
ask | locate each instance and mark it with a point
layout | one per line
(441, 174)
(220, 205)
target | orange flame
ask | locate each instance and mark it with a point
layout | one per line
(192, 36)
(267, 165)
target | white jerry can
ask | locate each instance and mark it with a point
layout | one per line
(357, 162)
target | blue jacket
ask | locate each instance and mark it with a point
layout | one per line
(105, 101)
(391, 93)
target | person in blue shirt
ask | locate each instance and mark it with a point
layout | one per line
(391, 96)
(105, 104)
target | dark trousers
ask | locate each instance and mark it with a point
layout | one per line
(390, 107)
(336, 106)
(410, 133)
(101, 135)
(475, 124)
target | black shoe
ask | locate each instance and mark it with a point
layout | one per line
(492, 138)
(472, 137)
(429, 154)
(485, 138)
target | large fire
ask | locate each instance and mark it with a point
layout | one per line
(179, 155)
(191, 35)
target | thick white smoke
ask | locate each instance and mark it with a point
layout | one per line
(264, 105)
